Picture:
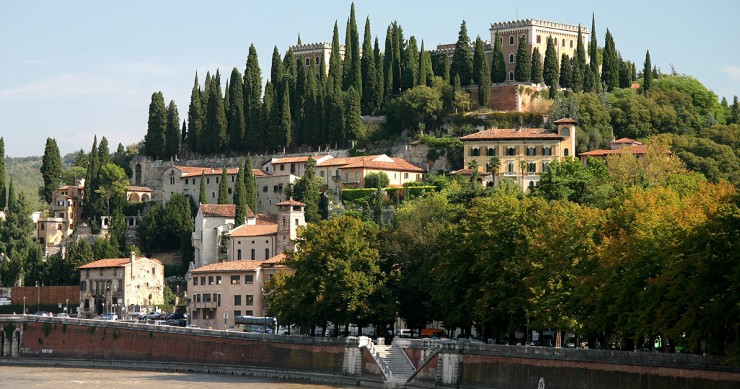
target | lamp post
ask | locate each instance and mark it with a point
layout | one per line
(24, 305)
(66, 306)
(38, 299)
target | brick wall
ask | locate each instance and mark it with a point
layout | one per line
(47, 294)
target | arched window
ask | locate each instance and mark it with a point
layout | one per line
(511, 151)
(239, 254)
(563, 42)
(531, 151)
(308, 61)
(475, 152)
(531, 185)
(565, 132)
(571, 43)
(547, 151)
(511, 40)
(267, 253)
(511, 76)
(317, 60)
(253, 255)
(531, 167)
(544, 166)
(510, 167)
(539, 39)
(511, 58)
(491, 152)
(565, 152)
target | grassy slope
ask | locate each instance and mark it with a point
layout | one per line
(26, 174)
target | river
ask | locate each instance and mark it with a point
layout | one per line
(22, 377)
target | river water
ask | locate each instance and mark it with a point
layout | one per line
(21, 377)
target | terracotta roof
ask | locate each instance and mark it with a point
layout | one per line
(229, 266)
(626, 140)
(133, 188)
(108, 262)
(636, 149)
(218, 210)
(566, 121)
(350, 160)
(193, 171)
(291, 202)
(524, 133)
(399, 164)
(303, 158)
(469, 172)
(276, 259)
(258, 229)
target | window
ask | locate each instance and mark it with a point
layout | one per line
(511, 76)
(308, 61)
(555, 42)
(475, 152)
(217, 179)
(531, 151)
(232, 178)
(237, 300)
(203, 280)
(491, 151)
(218, 280)
(267, 253)
(571, 43)
(249, 313)
(249, 279)
(235, 280)
(206, 297)
(115, 271)
(510, 167)
(210, 280)
(565, 152)
(253, 255)
(213, 195)
(264, 189)
(321, 174)
(317, 60)
(217, 298)
(87, 275)
(208, 180)
(282, 167)
(511, 40)
(539, 39)
(511, 151)
(195, 280)
(195, 315)
(563, 42)
(565, 132)
(42, 226)
(544, 166)
(250, 300)
(83, 285)
(87, 304)
(531, 167)
(547, 151)
(405, 175)
(239, 255)
(154, 271)
(511, 58)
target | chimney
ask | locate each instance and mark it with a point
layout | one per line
(133, 258)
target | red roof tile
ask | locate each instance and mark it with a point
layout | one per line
(247, 230)
(218, 210)
(299, 159)
(524, 133)
(133, 188)
(108, 262)
(626, 140)
(292, 202)
(636, 149)
(229, 266)
(398, 164)
(193, 171)
(566, 121)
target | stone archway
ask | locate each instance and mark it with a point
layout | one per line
(145, 197)
(2, 344)
(15, 344)
(133, 197)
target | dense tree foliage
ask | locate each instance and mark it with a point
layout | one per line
(51, 170)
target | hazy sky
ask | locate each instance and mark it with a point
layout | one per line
(73, 69)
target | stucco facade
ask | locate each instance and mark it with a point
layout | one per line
(211, 221)
(261, 239)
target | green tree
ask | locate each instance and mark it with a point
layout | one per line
(215, 123)
(536, 72)
(611, 63)
(570, 180)
(369, 73)
(89, 209)
(174, 134)
(223, 188)
(236, 125)
(252, 100)
(579, 64)
(462, 59)
(112, 186)
(388, 81)
(481, 73)
(378, 180)
(647, 74)
(154, 140)
(3, 188)
(203, 195)
(410, 65)
(307, 190)
(593, 48)
(353, 74)
(240, 198)
(250, 185)
(523, 68)
(103, 152)
(566, 73)
(420, 107)
(51, 170)
(550, 72)
(195, 117)
(498, 65)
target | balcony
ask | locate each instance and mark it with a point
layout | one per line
(205, 304)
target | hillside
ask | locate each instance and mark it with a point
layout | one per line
(26, 175)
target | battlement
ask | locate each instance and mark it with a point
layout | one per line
(537, 23)
(312, 47)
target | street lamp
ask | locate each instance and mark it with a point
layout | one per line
(66, 306)
(24, 305)
(38, 294)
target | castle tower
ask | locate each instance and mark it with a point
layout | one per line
(290, 217)
(567, 130)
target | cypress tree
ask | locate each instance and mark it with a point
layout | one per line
(252, 100)
(11, 196)
(625, 72)
(290, 78)
(236, 124)
(174, 134)
(566, 72)
(284, 130)
(735, 111)
(91, 176)
(588, 80)
(240, 198)
(299, 115)
(593, 64)
(537, 66)
(154, 140)
(481, 73)
(216, 117)
(522, 70)
(103, 152)
(183, 133)
(410, 65)
(422, 72)
(276, 71)
(647, 74)
(498, 65)
(369, 73)
(550, 71)
(388, 64)
(353, 72)
(3, 188)
(397, 56)
(579, 64)
(335, 64)
(202, 194)
(611, 63)
(347, 61)
(265, 136)
(195, 117)
(379, 78)
(51, 170)
(223, 188)
(352, 124)
(250, 185)
(462, 59)
(312, 111)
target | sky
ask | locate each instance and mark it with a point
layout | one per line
(74, 69)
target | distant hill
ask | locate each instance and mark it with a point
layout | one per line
(26, 174)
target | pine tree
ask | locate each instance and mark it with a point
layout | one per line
(369, 73)
(481, 73)
(3, 188)
(647, 74)
(174, 134)
(335, 64)
(498, 65)
(51, 170)
(240, 198)
(216, 117)
(410, 65)
(195, 117)
(537, 66)
(202, 194)
(593, 64)
(91, 177)
(236, 125)
(252, 100)
(223, 188)
(579, 64)
(566, 72)
(250, 186)
(462, 59)
(550, 72)
(522, 70)
(154, 140)
(610, 65)
(284, 129)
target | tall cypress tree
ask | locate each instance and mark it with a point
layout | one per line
(498, 65)
(588, 80)
(593, 64)
(625, 72)
(579, 64)
(611, 64)
(335, 63)
(51, 170)
(566, 72)
(91, 176)
(410, 64)
(250, 185)
(216, 117)
(397, 56)
(536, 72)
(550, 72)
(223, 188)
(195, 117)
(312, 110)
(647, 74)
(735, 111)
(352, 123)
(353, 67)
(284, 135)
(252, 100)
(154, 140)
(202, 194)
(265, 137)
(103, 152)
(462, 59)
(240, 198)
(369, 73)
(174, 134)
(388, 64)
(299, 115)
(523, 68)
(481, 73)
(3, 188)
(379, 76)
(290, 78)
(236, 124)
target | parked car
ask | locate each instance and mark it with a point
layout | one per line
(62, 314)
(43, 313)
(108, 317)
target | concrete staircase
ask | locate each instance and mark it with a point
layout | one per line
(397, 363)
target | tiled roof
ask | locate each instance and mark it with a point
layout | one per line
(469, 172)
(566, 121)
(276, 259)
(192, 171)
(303, 158)
(636, 149)
(399, 164)
(108, 262)
(523, 133)
(626, 140)
(218, 210)
(133, 188)
(229, 266)
(258, 229)
(292, 202)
